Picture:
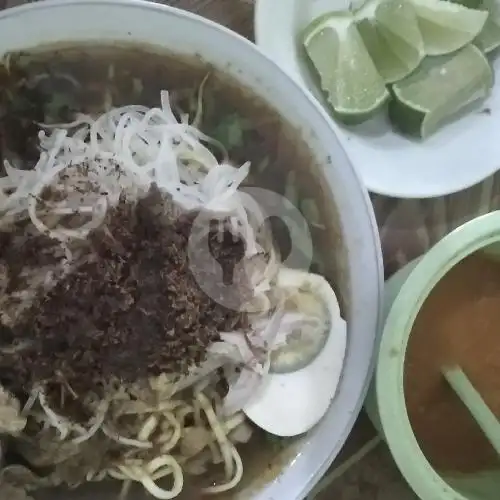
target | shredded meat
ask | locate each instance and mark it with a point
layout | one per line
(131, 310)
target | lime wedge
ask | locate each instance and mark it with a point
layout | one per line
(440, 88)
(447, 26)
(489, 37)
(390, 32)
(347, 74)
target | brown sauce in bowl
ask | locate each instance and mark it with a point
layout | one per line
(459, 323)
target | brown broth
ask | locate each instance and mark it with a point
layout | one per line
(458, 324)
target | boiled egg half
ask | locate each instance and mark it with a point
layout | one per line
(306, 358)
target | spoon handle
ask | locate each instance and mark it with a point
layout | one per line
(479, 410)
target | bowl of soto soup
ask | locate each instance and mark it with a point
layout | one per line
(436, 385)
(147, 155)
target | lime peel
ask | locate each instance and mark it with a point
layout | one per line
(315, 27)
(439, 89)
(489, 37)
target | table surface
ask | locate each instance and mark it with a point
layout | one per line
(407, 228)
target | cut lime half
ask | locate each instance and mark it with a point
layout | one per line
(446, 26)
(347, 74)
(438, 90)
(390, 32)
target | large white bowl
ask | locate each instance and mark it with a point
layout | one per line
(358, 257)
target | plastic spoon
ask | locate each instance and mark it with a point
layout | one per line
(479, 410)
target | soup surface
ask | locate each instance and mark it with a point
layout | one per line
(53, 85)
(56, 85)
(457, 325)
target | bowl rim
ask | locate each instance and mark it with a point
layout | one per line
(317, 449)
(472, 236)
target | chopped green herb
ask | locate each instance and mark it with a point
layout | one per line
(58, 107)
(230, 130)
(277, 443)
(261, 166)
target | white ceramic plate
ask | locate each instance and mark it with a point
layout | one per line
(461, 154)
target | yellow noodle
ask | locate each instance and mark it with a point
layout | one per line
(224, 443)
(235, 480)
